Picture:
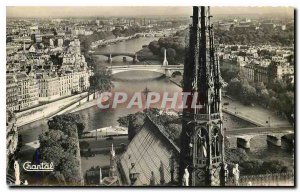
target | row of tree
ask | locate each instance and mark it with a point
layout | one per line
(175, 46)
(256, 167)
(100, 81)
(128, 31)
(278, 95)
(252, 36)
(60, 145)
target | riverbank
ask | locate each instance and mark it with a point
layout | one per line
(47, 110)
(101, 42)
(256, 115)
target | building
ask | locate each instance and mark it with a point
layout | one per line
(38, 38)
(11, 136)
(262, 73)
(73, 81)
(257, 73)
(283, 71)
(33, 48)
(201, 161)
(12, 93)
(242, 61)
(60, 42)
(48, 86)
(28, 91)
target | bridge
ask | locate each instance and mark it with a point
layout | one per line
(276, 136)
(153, 34)
(169, 70)
(111, 55)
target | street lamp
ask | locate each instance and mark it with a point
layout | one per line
(146, 92)
(269, 121)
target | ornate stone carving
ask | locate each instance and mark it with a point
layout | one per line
(185, 180)
(17, 173)
(236, 174)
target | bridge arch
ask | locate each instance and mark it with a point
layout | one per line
(165, 70)
(175, 73)
(116, 71)
(112, 55)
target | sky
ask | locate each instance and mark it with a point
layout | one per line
(63, 11)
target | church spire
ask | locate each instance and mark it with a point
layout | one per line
(113, 165)
(112, 151)
(202, 148)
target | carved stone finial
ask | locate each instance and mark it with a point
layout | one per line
(236, 174)
(185, 180)
(17, 173)
(152, 179)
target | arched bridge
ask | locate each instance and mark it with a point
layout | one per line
(111, 55)
(166, 70)
(274, 136)
(132, 55)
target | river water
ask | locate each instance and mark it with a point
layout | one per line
(137, 81)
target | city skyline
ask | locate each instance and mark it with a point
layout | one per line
(88, 11)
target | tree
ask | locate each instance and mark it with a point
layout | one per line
(234, 86)
(123, 121)
(229, 72)
(279, 86)
(273, 167)
(84, 145)
(265, 97)
(52, 154)
(274, 103)
(154, 47)
(174, 132)
(171, 54)
(251, 167)
(67, 123)
(117, 32)
(60, 146)
(70, 168)
(248, 94)
(136, 121)
(56, 178)
(286, 103)
(235, 155)
(101, 81)
(260, 86)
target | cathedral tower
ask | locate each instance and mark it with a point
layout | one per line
(202, 137)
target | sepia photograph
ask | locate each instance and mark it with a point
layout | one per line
(152, 96)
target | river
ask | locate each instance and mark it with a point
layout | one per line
(131, 82)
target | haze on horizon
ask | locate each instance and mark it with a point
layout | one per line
(128, 11)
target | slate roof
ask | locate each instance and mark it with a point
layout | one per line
(149, 150)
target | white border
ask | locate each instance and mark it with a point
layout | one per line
(4, 3)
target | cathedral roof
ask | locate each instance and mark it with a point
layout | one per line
(150, 150)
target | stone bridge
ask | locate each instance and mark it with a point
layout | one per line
(111, 55)
(276, 136)
(169, 70)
